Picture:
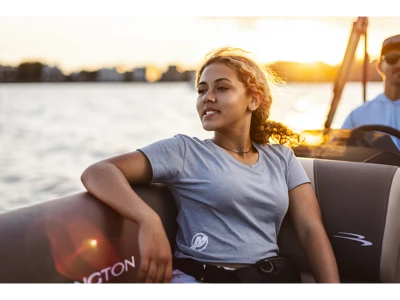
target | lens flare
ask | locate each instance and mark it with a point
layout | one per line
(93, 243)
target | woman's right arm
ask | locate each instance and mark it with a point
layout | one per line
(110, 181)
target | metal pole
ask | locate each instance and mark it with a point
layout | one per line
(359, 27)
(365, 70)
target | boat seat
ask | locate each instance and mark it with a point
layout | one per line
(360, 205)
(78, 239)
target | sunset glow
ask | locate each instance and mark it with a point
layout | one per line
(297, 40)
(74, 43)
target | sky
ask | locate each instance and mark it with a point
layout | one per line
(76, 36)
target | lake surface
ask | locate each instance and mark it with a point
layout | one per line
(49, 133)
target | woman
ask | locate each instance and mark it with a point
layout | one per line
(232, 191)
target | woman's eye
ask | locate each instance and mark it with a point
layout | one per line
(200, 91)
(222, 88)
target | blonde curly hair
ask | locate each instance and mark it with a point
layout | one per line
(256, 78)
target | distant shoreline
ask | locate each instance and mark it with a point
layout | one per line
(36, 72)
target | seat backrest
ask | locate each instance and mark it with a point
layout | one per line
(79, 239)
(360, 205)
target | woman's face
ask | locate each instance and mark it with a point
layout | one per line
(222, 102)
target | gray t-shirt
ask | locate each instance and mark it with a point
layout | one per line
(228, 212)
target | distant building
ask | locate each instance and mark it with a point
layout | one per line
(110, 74)
(172, 74)
(8, 74)
(51, 74)
(189, 75)
(139, 74)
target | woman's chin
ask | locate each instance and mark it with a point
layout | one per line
(208, 127)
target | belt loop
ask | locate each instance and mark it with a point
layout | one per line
(202, 275)
(266, 265)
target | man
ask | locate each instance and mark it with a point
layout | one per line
(385, 108)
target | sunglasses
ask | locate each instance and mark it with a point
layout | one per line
(391, 59)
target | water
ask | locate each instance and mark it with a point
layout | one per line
(49, 133)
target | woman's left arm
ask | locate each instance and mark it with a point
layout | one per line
(306, 216)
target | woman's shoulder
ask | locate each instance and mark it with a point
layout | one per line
(189, 139)
(277, 150)
(185, 137)
(178, 138)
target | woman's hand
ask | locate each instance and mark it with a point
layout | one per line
(155, 252)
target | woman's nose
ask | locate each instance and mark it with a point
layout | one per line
(209, 96)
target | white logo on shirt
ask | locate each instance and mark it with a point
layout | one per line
(199, 242)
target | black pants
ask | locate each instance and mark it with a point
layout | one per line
(270, 270)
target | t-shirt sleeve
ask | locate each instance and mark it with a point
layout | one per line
(296, 173)
(166, 158)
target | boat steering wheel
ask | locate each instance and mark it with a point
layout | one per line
(381, 128)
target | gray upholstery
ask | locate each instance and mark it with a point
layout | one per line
(359, 204)
(79, 239)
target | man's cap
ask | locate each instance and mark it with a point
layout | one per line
(390, 43)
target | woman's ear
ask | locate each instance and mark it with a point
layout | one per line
(255, 101)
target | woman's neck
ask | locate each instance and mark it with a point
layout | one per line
(240, 144)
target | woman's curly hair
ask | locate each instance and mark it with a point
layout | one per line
(256, 78)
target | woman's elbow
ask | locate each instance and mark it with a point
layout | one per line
(92, 172)
(85, 175)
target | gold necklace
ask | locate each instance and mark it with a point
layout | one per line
(236, 151)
